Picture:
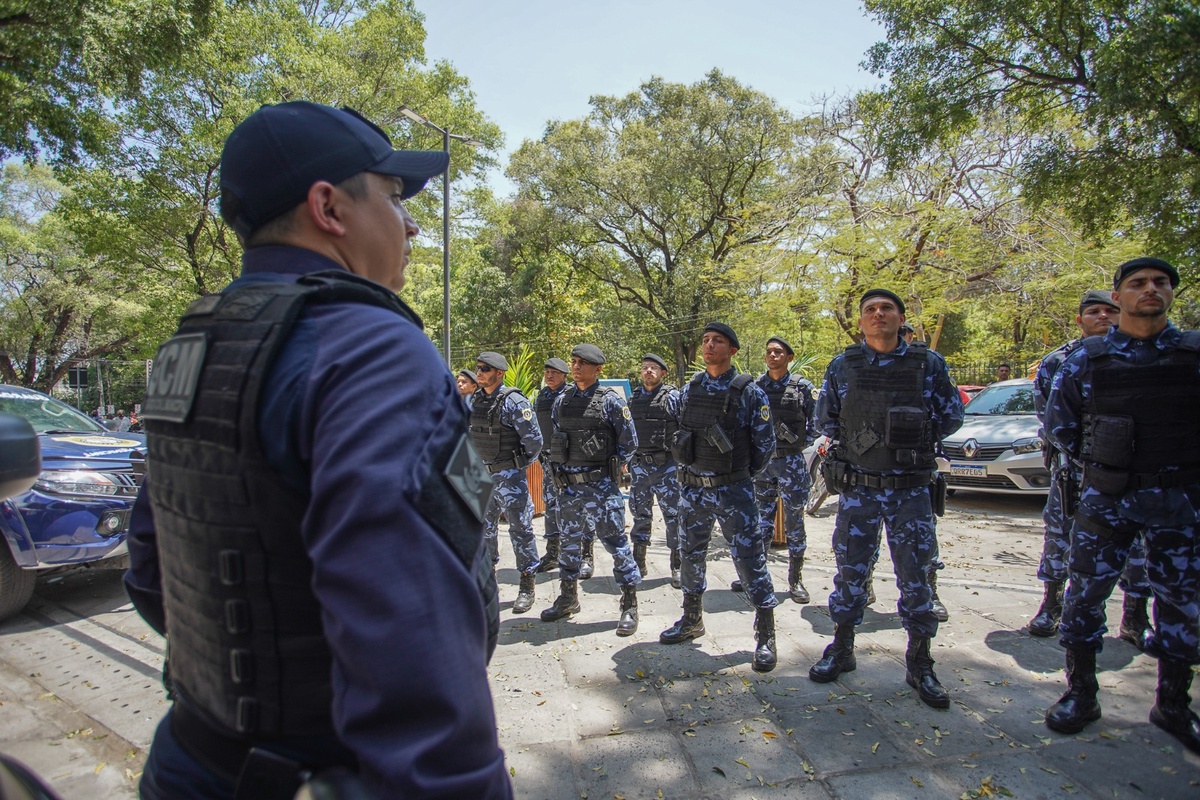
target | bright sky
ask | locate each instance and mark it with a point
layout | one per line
(531, 61)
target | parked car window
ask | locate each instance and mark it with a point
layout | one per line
(1003, 399)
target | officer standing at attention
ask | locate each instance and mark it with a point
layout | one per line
(886, 403)
(1098, 312)
(554, 376)
(655, 410)
(507, 438)
(310, 535)
(593, 436)
(786, 476)
(725, 438)
(1124, 407)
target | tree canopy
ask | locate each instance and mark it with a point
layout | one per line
(1113, 86)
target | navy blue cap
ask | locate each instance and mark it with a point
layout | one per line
(1097, 297)
(469, 375)
(493, 360)
(895, 298)
(558, 364)
(724, 330)
(589, 353)
(656, 359)
(782, 343)
(1145, 262)
(276, 154)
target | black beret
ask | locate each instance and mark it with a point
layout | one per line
(469, 375)
(895, 298)
(782, 343)
(589, 353)
(1145, 262)
(493, 360)
(558, 364)
(656, 359)
(906, 328)
(1097, 297)
(724, 330)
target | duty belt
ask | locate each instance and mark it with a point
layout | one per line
(656, 457)
(712, 481)
(1165, 480)
(585, 477)
(500, 466)
(891, 481)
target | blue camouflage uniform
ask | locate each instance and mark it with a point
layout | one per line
(786, 476)
(551, 515)
(907, 512)
(1106, 524)
(595, 505)
(731, 505)
(1057, 542)
(510, 495)
(343, 422)
(653, 475)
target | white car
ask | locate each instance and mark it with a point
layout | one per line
(999, 447)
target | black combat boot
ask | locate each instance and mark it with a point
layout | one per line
(676, 567)
(938, 609)
(628, 623)
(690, 625)
(1171, 712)
(1135, 622)
(550, 559)
(920, 673)
(525, 594)
(795, 581)
(639, 555)
(838, 658)
(566, 604)
(764, 635)
(1045, 623)
(1075, 709)
(587, 563)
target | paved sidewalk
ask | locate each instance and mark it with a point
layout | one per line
(584, 713)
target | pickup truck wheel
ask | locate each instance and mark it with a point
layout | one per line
(16, 584)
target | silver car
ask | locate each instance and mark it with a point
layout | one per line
(999, 447)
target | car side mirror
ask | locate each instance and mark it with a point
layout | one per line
(20, 456)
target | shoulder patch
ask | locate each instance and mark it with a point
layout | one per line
(625, 412)
(765, 412)
(172, 385)
(527, 413)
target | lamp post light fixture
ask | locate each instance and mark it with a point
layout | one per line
(446, 137)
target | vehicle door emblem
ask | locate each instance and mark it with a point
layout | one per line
(970, 448)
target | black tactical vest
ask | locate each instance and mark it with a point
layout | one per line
(247, 643)
(787, 408)
(1160, 400)
(703, 409)
(884, 422)
(654, 424)
(493, 440)
(588, 430)
(542, 405)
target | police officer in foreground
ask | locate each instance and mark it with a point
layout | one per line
(310, 532)
(786, 477)
(554, 379)
(725, 438)
(1124, 407)
(593, 437)
(655, 410)
(508, 439)
(886, 403)
(1098, 312)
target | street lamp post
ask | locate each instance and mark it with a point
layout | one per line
(446, 137)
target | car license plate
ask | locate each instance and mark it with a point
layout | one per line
(969, 470)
